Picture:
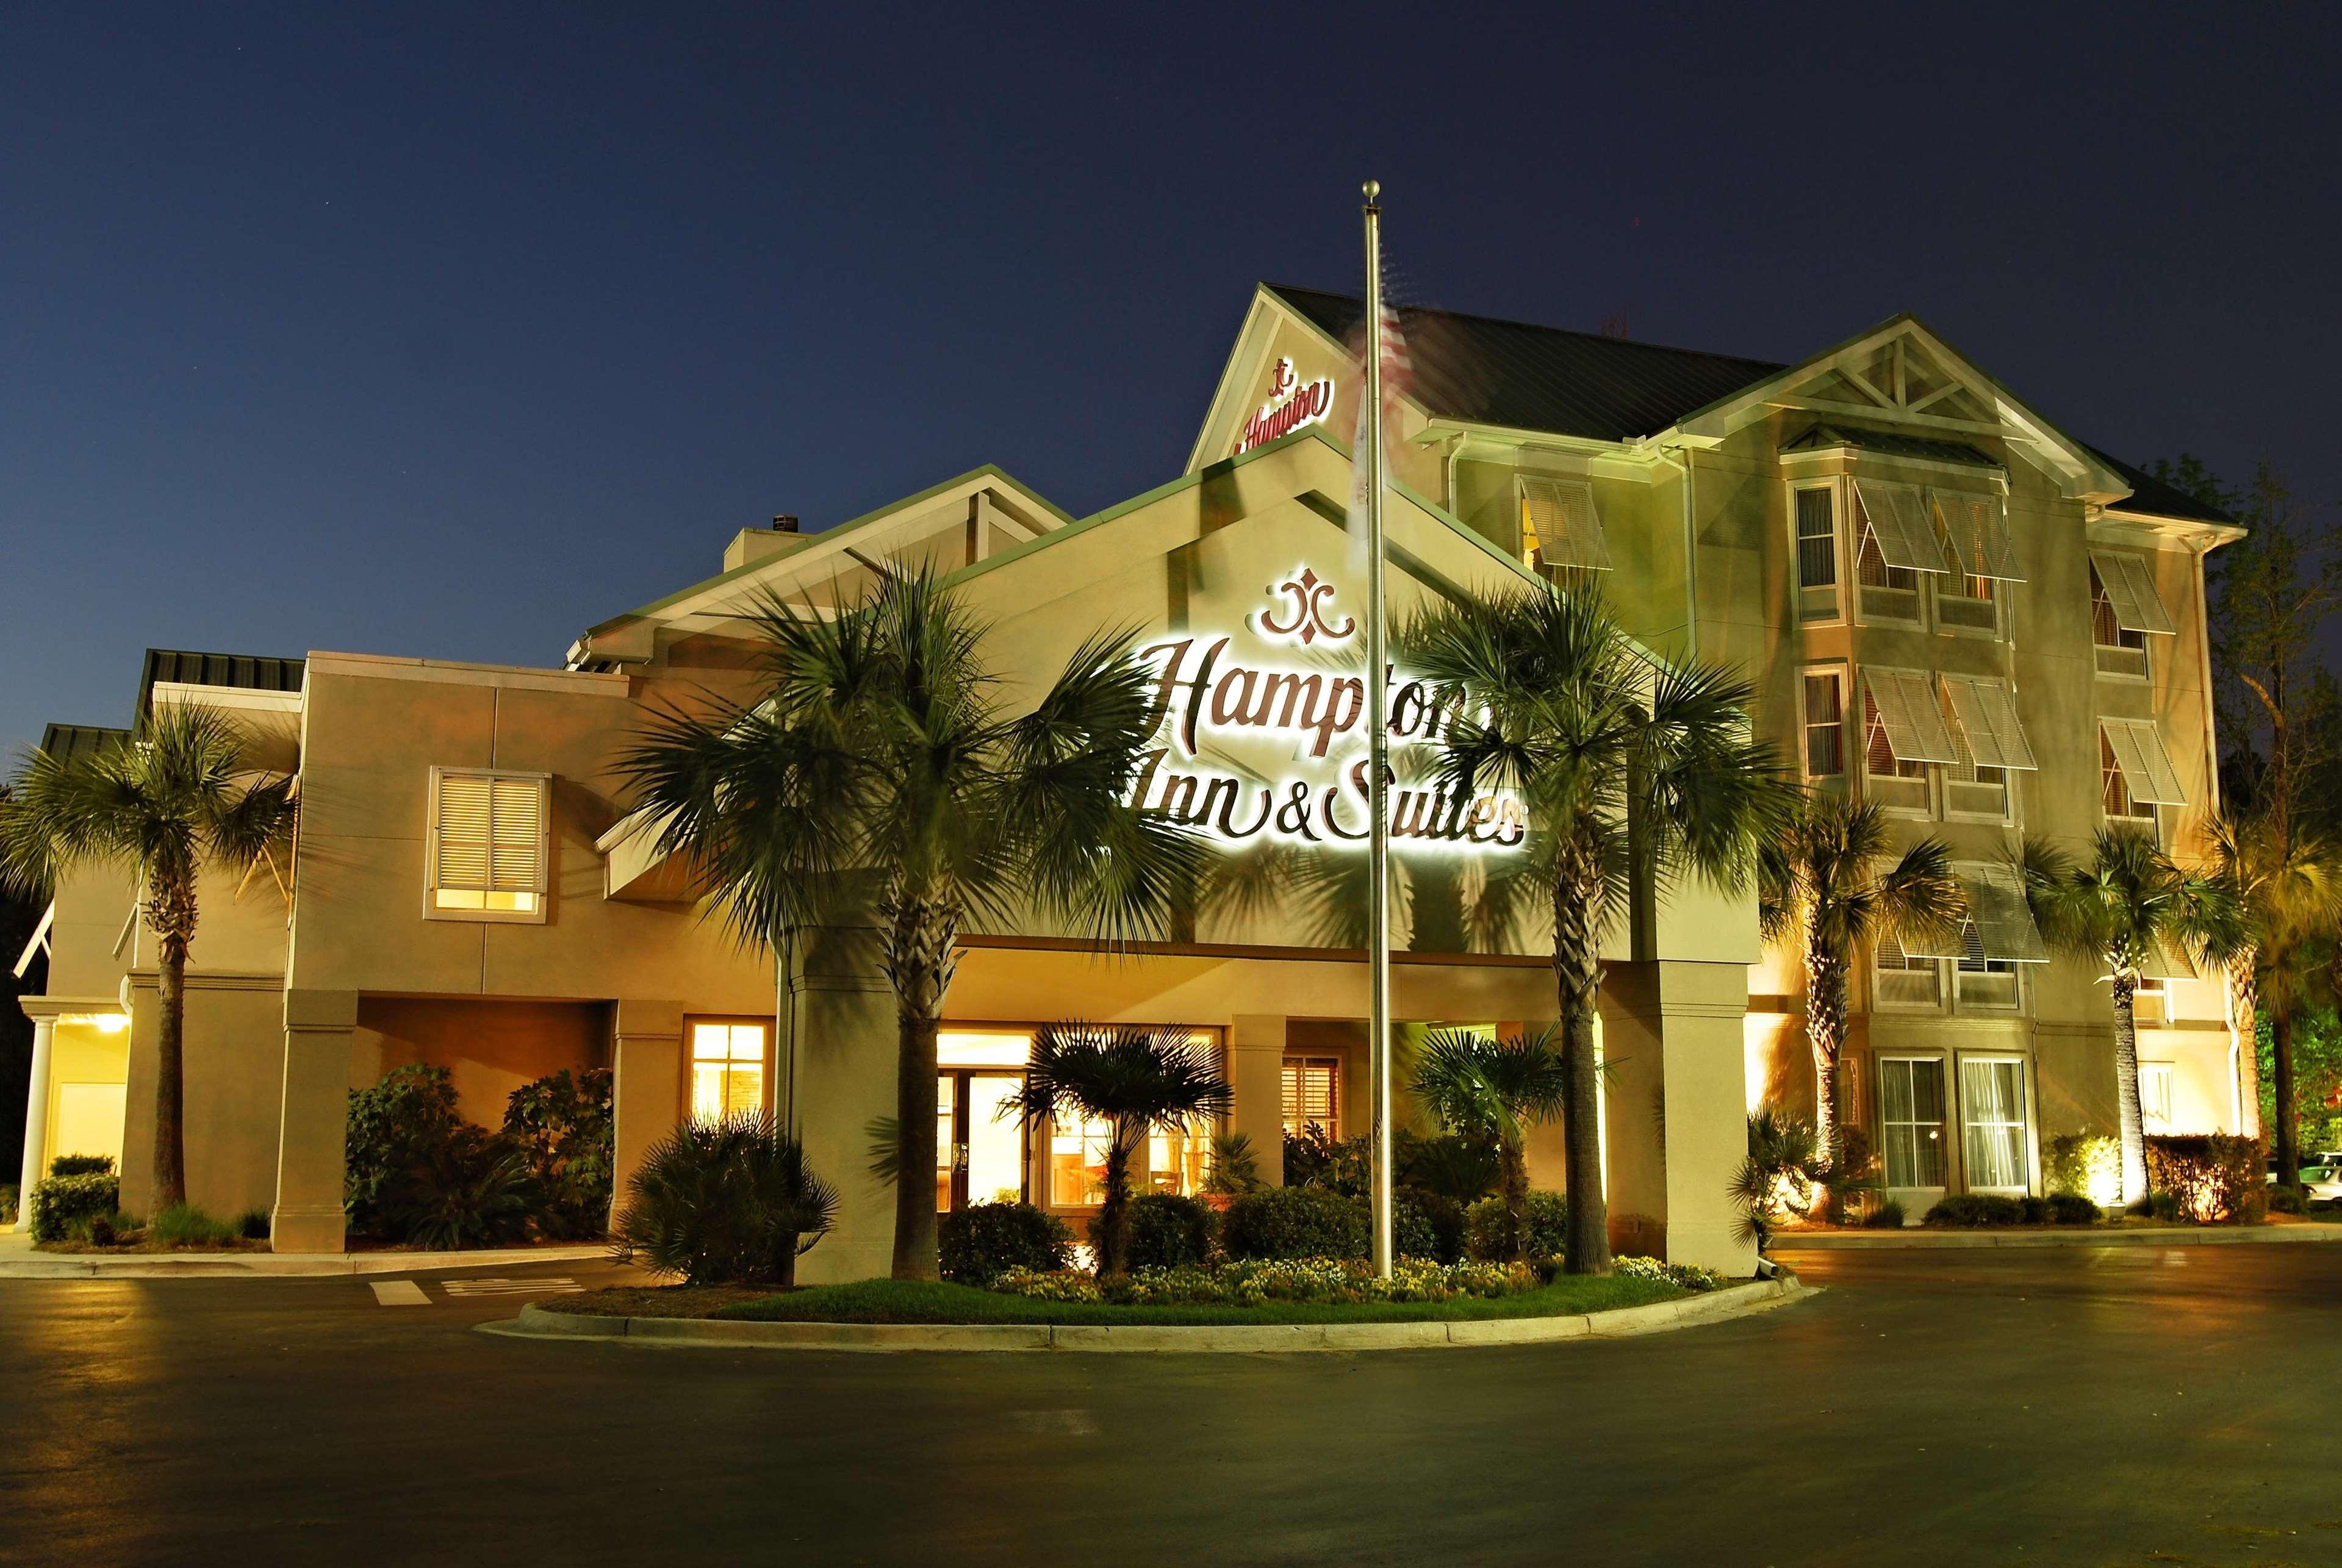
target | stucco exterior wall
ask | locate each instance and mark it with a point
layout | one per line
(489, 1048)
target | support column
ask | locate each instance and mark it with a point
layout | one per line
(313, 1132)
(843, 1037)
(36, 1118)
(646, 1086)
(1256, 1073)
(1675, 1110)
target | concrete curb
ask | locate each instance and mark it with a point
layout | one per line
(1735, 1300)
(2176, 1236)
(276, 1265)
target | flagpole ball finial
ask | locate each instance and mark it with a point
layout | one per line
(1373, 189)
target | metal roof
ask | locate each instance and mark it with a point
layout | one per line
(2156, 499)
(243, 671)
(68, 742)
(1494, 372)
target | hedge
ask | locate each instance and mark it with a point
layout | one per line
(62, 1204)
(2215, 1177)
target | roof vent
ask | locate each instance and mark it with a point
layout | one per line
(784, 522)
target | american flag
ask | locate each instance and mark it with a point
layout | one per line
(1398, 375)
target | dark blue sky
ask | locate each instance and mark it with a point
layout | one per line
(449, 331)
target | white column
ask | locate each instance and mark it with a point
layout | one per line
(36, 1118)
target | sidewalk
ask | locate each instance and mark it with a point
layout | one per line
(2051, 1236)
(18, 1261)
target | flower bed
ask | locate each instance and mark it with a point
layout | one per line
(1321, 1281)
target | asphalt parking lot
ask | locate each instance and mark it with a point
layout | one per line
(2106, 1405)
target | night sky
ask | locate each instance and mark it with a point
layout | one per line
(451, 331)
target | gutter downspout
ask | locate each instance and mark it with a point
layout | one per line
(2246, 1116)
(1681, 461)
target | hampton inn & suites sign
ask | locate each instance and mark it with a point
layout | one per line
(1292, 404)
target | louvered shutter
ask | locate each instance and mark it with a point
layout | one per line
(2131, 592)
(1899, 523)
(517, 837)
(465, 814)
(1558, 519)
(1914, 726)
(1987, 718)
(1979, 535)
(2146, 769)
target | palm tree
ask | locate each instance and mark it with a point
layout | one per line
(1568, 714)
(1482, 1088)
(2288, 889)
(169, 801)
(1139, 1080)
(879, 767)
(2119, 907)
(1826, 880)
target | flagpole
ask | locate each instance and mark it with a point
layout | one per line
(1377, 749)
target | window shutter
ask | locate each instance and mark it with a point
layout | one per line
(2003, 922)
(2146, 769)
(465, 812)
(1987, 718)
(1899, 523)
(516, 842)
(1558, 519)
(1914, 725)
(2131, 592)
(1979, 535)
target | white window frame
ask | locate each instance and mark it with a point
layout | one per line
(2025, 1088)
(1848, 723)
(1806, 611)
(2157, 1121)
(1943, 1125)
(2112, 660)
(1911, 964)
(541, 902)
(2112, 772)
(1859, 527)
(1953, 779)
(1961, 586)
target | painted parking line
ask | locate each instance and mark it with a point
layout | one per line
(398, 1293)
(556, 1286)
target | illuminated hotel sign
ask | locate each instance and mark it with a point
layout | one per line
(1290, 406)
(1306, 729)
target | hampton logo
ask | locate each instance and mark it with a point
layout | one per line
(1209, 698)
(1290, 406)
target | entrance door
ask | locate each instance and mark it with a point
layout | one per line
(980, 1143)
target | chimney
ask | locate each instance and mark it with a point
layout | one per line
(784, 522)
(759, 544)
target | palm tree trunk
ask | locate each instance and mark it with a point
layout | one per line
(2287, 1132)
(170, 1075)
(2245, 986)
(1112, 1232)
(1825, 1033)
(2133, 1121)
(1577, 975)
(1513, 1184)
(919, 960)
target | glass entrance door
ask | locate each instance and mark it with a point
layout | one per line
(979, 1141)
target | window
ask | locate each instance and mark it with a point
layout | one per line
(1911, 1120)
(1313, 1095)
(728, 1068)
(1992, 1119)
(1560, 530)
(1982, 718)
(1822, 711)
(1979, 982)
(1976, 542)
(2149, 1001)
(1077, 1162)
(485, 845)
(1817, 515)
(2125, 610)
(1905, 980)
(2154, 1095)
(1903, 730)
(1897, 544)
(2135, 771)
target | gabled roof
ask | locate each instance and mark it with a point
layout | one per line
(1890, 444)
(2152, 496)
(1494, 372)
(242, 672)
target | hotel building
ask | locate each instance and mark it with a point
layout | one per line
(1947, 605)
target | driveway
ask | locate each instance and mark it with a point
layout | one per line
(2086, 1405)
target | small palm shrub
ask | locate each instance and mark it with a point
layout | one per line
(978, 1244)
(1236, 1167)
(1887, 1216)
(63, 1205)
(730, 1201)
(1460, 1169)
(253, 1225)
(470, 1189)
(1168, 1231)
(1294, 1222)
(1487, 1227)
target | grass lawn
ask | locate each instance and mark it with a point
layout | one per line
(897, 1301)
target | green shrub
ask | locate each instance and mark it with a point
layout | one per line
(2287, 1200)
(2082, 1165)
(1977, 1208)
(1295, 1222)
(99, 1231)
(2035, 1209)
(1460, 1169)
(2157, 1206)
(395, 1127)
(1236, 1167)
(1313, 1160)
(253, 1225)
(1690, 1276)
(1486, 1236)
(976, 1244)
(82, 1165)
(2217, 1178)
(1252, 1282)
(1168, 1231)
(1887, 1216)
(1426, 1225)
(7, 1205)
(2072, 1208)
(65, 1204)
(472, 1189)
(561, 1123)
(184, 1225)
(728, 1201)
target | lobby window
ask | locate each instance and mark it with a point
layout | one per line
(1822, 716)
(1077, 1152)
(1976, 544)
(1560, 530)
(2154, 1095)
(1897, 545)
(1992, 1123)
(1313, 1095)
(1816, 525)
(485, 846)
(1911, 1120)
(728, 1068)
(2124, 610)
(2135, 772)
